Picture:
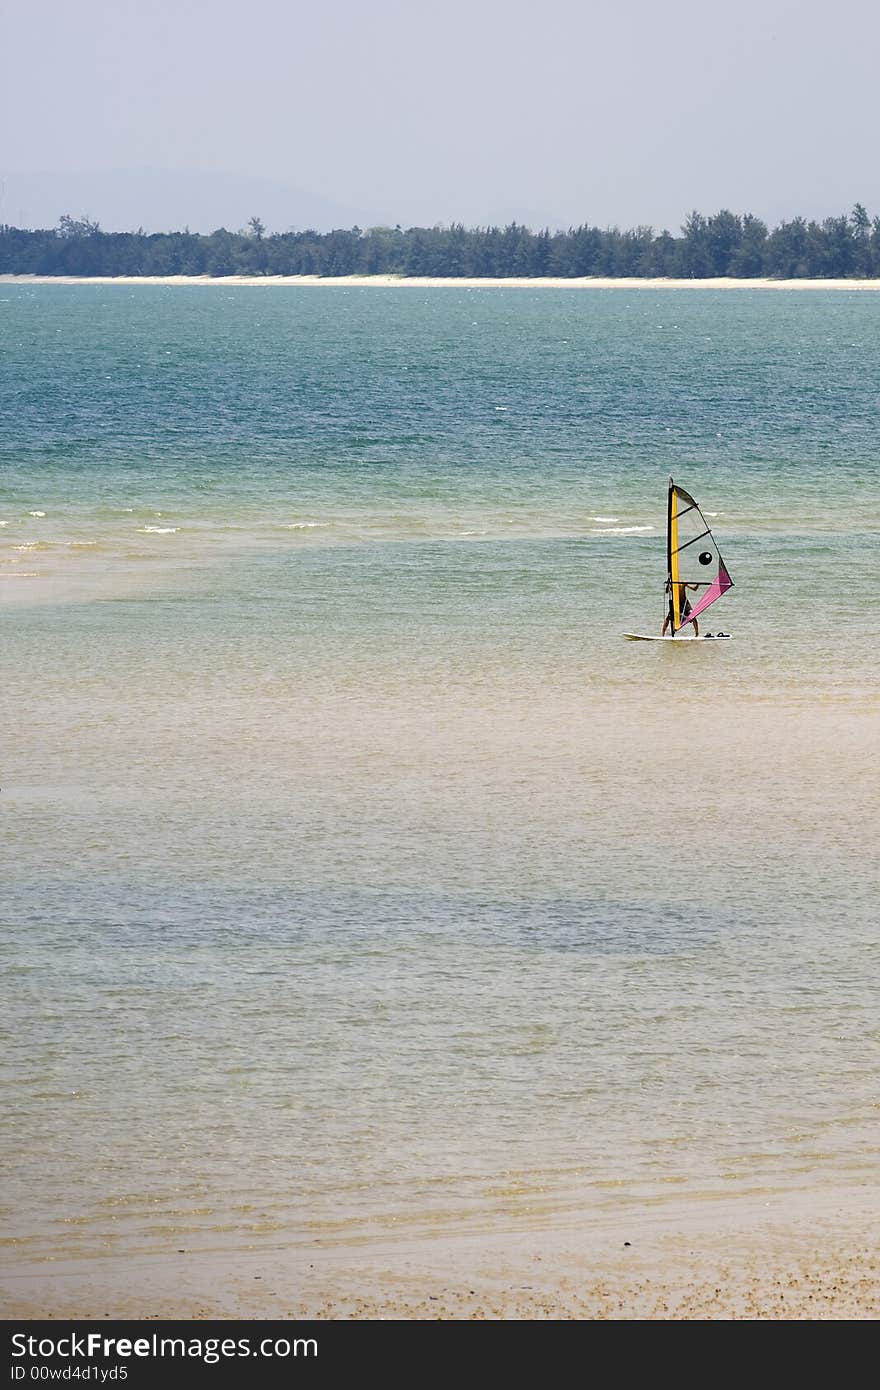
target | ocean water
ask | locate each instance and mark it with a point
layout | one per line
(357, 877)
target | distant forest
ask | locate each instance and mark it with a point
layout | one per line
(724, 244)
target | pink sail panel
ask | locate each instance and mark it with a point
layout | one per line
(714, 591)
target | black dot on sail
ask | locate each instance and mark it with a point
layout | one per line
(706, 557)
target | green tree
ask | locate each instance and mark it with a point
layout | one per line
(723, 235)
(77, 226)
(696, 254)
(861, 230)
(787, 250)
(749, 257)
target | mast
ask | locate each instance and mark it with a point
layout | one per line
(672, 561)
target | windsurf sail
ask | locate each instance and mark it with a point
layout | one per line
(696, 573)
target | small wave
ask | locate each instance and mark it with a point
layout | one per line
(159, 530)
(28, 545)
(713, 513)
(306, 525)
(4, 523)
(36, 513)
(618, 530)
(605, 518)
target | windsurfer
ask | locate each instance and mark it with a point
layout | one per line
(684, 607)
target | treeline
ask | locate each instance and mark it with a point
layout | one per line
(723, 244)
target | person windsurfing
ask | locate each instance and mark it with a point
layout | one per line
(684, 607)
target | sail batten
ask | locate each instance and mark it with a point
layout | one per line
(693, 539)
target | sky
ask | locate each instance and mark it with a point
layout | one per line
(201, 113)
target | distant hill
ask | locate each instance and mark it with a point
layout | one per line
(161, 201)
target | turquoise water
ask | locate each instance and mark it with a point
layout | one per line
(357, 877)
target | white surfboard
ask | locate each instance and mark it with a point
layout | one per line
(649, 637)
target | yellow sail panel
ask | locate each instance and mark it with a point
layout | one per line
(673, 559)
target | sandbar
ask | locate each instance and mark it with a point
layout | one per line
(768, 1255)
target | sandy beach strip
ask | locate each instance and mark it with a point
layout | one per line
(436, 282)
(782, 1256)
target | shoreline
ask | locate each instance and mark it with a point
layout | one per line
(439, 282)
(770, 1255)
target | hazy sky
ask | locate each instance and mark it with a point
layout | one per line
(616, 111)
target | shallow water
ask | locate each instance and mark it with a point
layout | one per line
(357, 876)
